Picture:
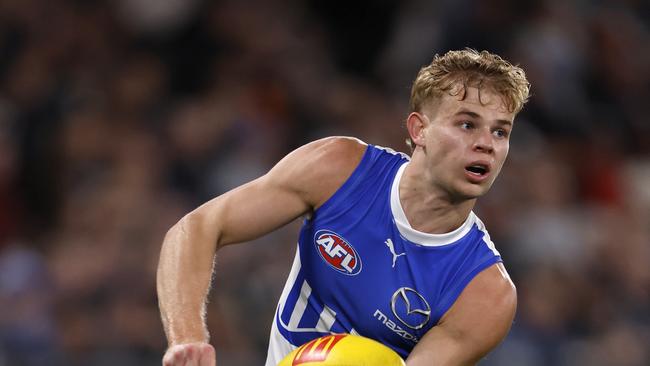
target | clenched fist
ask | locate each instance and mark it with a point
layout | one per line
(190, 354)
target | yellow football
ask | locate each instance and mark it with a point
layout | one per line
(342, 350)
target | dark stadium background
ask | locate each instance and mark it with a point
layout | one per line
(117, 117)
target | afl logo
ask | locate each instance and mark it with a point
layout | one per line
(337, 252)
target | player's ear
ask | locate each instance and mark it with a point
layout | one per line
(415, 123)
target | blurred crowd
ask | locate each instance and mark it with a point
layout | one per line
(118, 117)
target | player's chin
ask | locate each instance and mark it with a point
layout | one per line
(470, 190)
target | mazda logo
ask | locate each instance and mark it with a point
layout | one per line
(410, 308)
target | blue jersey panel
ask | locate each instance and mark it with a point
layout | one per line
(363, 270)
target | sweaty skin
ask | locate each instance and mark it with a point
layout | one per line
(437, 192)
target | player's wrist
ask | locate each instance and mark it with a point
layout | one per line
(186, 342)
(179, 338)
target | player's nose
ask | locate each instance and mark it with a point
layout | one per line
(484, 142)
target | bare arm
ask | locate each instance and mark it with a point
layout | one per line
(476, 323)
(300, 182)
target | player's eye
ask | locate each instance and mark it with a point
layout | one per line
(500, 133)
(466, 125)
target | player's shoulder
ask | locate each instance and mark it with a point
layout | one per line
(486, 307)
(498, 282)
(317, 169)
(493, 289)
(334, 160)
(334, 156)
(495, 279)
(347, 150)
(343, 154)
(478, 320)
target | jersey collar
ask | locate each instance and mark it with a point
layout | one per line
(419, 237)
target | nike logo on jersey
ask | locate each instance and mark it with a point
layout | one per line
(391, 247)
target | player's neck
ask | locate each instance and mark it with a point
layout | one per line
(429, 209)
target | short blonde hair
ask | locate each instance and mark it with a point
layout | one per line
(470, 68)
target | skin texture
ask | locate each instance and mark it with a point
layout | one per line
(291, 189)
(476, 323)
(437, 194)
(435, 185)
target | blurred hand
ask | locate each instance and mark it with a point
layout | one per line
(190, 354)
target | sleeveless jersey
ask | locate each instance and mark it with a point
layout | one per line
(360, 267)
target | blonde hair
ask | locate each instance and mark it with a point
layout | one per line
(470, 68)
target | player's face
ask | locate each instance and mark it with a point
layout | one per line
(467, 141)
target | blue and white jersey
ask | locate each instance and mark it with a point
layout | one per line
(360, 267)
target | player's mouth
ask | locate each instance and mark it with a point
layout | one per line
(477, 172)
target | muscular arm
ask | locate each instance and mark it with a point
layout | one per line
(476, 323)
(300, 182)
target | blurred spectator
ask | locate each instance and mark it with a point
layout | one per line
(28, 332)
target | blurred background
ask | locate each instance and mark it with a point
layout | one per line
(118, 117)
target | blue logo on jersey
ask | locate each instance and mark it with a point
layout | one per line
(337, 252)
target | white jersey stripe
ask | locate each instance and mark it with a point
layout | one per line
(301, 305)
(327, 319)
(486, 237)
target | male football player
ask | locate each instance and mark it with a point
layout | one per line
(390, 248)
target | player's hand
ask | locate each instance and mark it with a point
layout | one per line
(190, 354)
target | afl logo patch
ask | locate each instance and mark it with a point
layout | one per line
(337, 252)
